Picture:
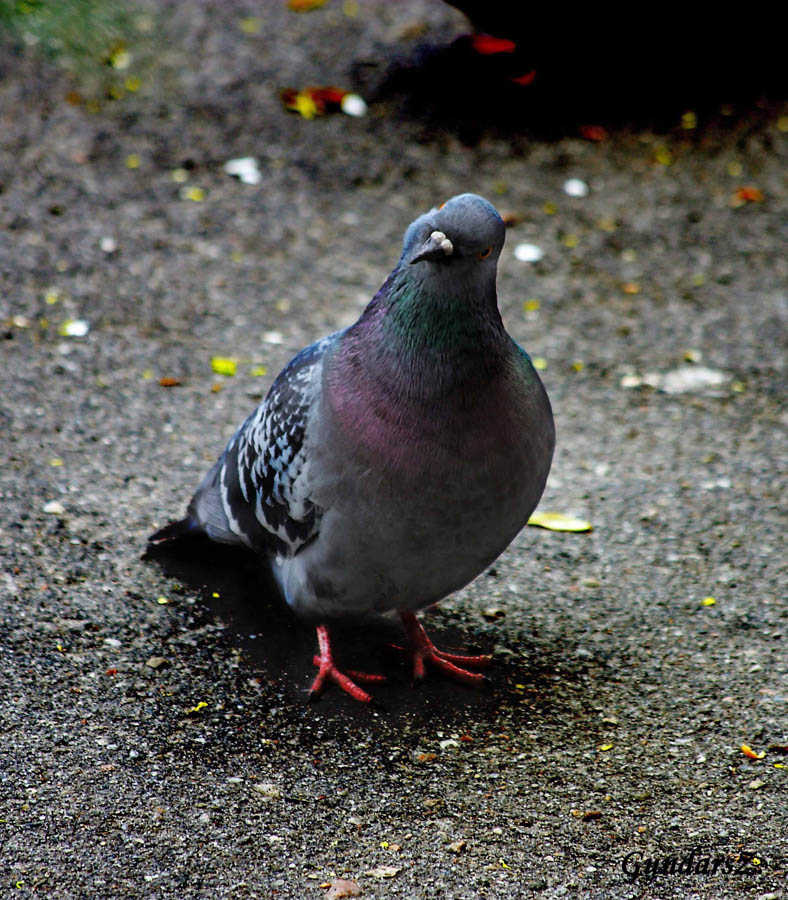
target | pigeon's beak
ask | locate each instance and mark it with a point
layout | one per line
(436, 247)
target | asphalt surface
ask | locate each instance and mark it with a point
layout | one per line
(155, 741)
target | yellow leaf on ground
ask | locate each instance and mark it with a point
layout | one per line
(223, 365)
(748, 751)
(553, 521)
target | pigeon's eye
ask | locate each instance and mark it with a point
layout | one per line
(485, 253)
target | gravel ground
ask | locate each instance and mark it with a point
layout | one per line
(155, 742)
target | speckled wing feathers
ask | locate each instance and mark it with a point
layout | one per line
(260, 479)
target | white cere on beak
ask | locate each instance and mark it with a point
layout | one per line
(440, 238)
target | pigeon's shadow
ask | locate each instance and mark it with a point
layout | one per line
(277, 648)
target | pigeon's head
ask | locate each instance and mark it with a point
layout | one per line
(466, 232)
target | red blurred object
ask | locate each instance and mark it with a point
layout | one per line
(488, 44)
(325, 99)
(526, 79)
(593, 132)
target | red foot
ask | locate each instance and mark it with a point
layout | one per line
(327, 670)
(424, 651)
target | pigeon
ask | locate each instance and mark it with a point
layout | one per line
(391, 462)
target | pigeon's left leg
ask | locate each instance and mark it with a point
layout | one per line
(327, 670)
(424, 651)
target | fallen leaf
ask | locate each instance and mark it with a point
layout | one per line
(223, 365)
(384, 871)
(553, 521)
(750, 753)
(169, 381)
(342, 887)
(195, 194)
(156, 662)
(744, 195)
(317, 101)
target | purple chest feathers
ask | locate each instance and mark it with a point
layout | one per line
(411, 421)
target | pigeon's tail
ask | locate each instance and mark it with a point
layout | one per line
(205, 515)
(175, 531)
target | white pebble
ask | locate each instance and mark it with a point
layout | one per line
(108, 244)
(273, 337)
(692, 378)
(528, 252)
(267, 790)
(353, 105)
(54, 507)
(245, 169)
(76, 328)
(575, 187)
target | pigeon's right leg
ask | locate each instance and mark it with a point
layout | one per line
(422, 651)
(327, 670)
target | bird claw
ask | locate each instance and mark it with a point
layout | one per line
(328, 671)
(423, 651)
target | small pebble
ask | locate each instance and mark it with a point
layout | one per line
(245, 169)
(156, 662)
(74, 328)
(353, 105)
(574, 187)
(267, 790)
(528, 252)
